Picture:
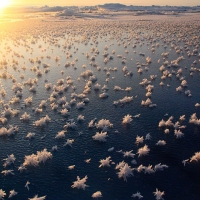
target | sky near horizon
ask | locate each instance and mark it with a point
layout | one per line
(92, 2)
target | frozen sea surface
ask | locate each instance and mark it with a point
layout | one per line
(39, 50)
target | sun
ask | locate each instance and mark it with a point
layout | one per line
(4, 3)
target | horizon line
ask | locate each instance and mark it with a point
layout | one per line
(43, 5)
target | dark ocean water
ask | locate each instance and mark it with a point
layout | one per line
(53, 178)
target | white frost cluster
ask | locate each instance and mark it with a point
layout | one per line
(25, 117)
(37, 198)
(104, 124)
(158, 194)
(124, 100)
(146, 170)
(8, 131)
(117, 88)
(61, 101)
(9, 160)
(127, 119)
(69, 142)
(80, 105)
(121, 164)
(194, 119)
(161, 143)
(129, 154)
(184, 83)
(97, 86)
(7, 172)
(80, 183)
(14, 100)
(97, 194)
(105, 162)
(125, 171)
(30, 135)
(143, 151)
(42, 122)
(178, 133)
(195, 157)
(87, 73)
(197, 105)
(17, 87)
(145, 82)
(28, 101)
(43, 104)
(2, 194)
(36, 159)
(100, 136)
(137, 194)
(3, 120)
(148, 103)
(64, 112)
(139, 139)
(159, 167)
(103, 95)
(188, 93)
(8, 112)
(70, 125)
(60, 134)
(148, 136)
(12, 193)
(168, 123)
(80, 118)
